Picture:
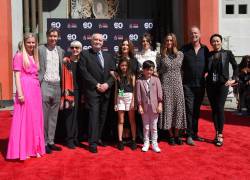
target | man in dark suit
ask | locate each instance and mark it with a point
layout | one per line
(95, 67)
(193, 67)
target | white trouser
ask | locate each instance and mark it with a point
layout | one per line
(150, 120)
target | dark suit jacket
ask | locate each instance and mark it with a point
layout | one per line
(43, 60)
(226, 57)
(155, 93)
(92, 72)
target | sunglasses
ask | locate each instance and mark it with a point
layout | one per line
(74, 47)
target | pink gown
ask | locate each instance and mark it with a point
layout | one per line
(27, 130)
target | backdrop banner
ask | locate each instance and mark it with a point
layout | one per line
(113, 31)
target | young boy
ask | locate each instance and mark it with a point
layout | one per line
(149, 97)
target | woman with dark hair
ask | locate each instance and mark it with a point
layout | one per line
(146, 53)
(173, 117)
(126, 50)
(218, 82)
(244, 83)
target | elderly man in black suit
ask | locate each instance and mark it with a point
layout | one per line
(95, 66)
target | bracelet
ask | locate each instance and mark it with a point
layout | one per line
(20, 96)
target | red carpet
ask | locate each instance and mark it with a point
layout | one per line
(203, 161)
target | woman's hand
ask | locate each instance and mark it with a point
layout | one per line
(141, 111)
(230, 82)
(21, 98)
(132, 105)
(116, 107)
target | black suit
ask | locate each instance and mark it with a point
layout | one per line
(97, 102)
(217, 91)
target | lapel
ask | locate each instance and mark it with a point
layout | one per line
(223, 58)
(144, 82)
(44, 54)
(95, 59)
(59, 51)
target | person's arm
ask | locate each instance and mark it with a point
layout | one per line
(133, 96)
(159, 95)
(19, 86)
(235, 69)
(116, 94)
(138, 95)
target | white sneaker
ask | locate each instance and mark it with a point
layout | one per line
(156, 148)
(145, 147)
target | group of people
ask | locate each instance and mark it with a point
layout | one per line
(162, 90)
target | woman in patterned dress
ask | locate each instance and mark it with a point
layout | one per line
(169, 69)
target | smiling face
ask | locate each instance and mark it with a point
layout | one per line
(195, 34)
(97, 42)
(30, 44)
(145, 44)
(169, 42)
(52, 38)
(216, 43)
(125, 47)
(75, 50)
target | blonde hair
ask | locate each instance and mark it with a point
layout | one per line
(26, 62)
(164, 50)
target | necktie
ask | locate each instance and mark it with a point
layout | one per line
(100, 58)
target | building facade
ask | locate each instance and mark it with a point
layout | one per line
(213, 16)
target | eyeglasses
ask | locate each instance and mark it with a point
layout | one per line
(74, 47)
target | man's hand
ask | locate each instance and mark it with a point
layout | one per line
(159, 108)
(104, 87)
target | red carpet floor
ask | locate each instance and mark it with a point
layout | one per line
(203, 161)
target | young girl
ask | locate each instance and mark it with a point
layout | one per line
(149, 97)
(124, 100)
(27, 134)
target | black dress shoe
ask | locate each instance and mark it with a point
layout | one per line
(101, 143)
(93, 149)
(71, 145)
(78, 144)
(48, 150)
(53, 147)
(133, 145)
(120, 146)
(197, 138)
(178, 141)
(171, 141)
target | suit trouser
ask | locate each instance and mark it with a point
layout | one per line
(51, 93)
(193, 99)
(98, 108)
(150, 120)
(71, 120)
(217, 95)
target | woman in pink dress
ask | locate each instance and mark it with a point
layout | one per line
(26, 135)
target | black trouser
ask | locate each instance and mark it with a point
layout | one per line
(71, 120)
(98, 108)
(217, 95)
(193, 99)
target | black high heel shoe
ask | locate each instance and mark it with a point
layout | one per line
(219, 140)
